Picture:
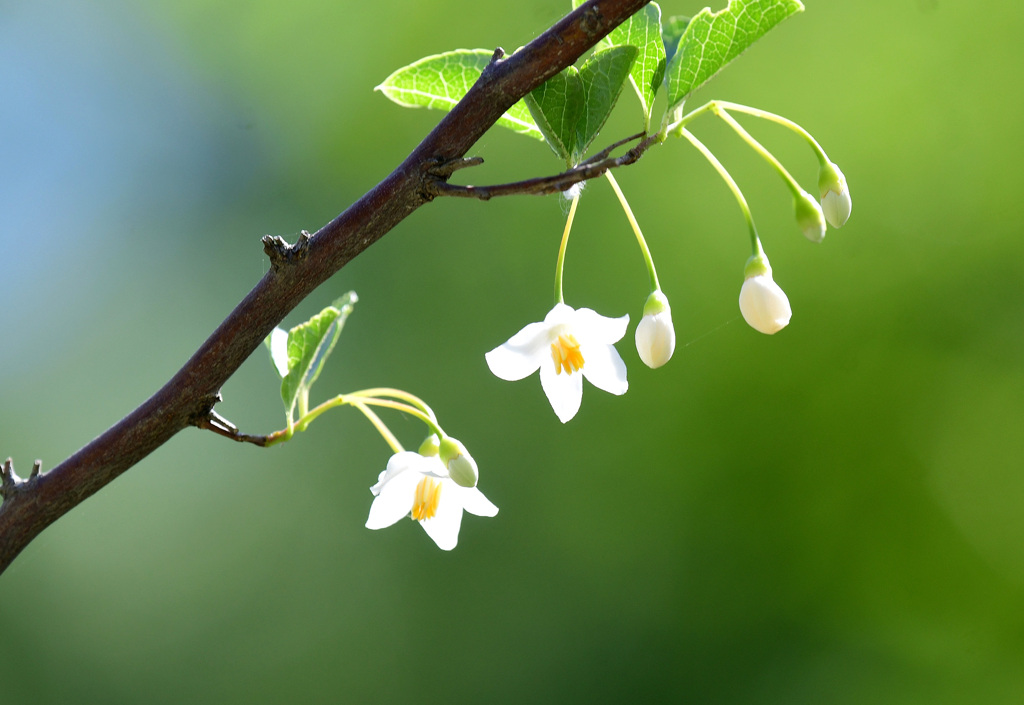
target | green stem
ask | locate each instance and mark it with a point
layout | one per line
(362, 400)
(760, 149)
(560, 264)
(655, 286)
(785, 122)
(731, 183)
(381, 427)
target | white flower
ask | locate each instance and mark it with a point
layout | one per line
(418, 486)
(835, 195)
(279, 350)
(655, 336)
(763, 304)
(568, 345)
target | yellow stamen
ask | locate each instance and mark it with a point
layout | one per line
(428, 495)
(566, 353)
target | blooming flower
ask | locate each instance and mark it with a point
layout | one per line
(568, 345)
(655, 336)
(763, 304)
(418, 486)
(835, 195)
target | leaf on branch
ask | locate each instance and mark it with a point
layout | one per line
(309, 345)
(713, 39)
(643, 31)
(439, 82)
(571, 107)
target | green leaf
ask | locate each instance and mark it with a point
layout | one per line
(556, 106)
(672, 31)
(713, 39)
(643, 31)
(439, 82)
(603, 75)
(309, 345)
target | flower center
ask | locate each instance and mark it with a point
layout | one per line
(566, 353)
(428, 495)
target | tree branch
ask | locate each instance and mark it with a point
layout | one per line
(29, 506)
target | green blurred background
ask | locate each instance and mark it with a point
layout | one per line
(830, 515)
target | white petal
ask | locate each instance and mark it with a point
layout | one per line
(444, 526)
(604, 367)
(522, 354)
(564, 391)
(394, 501)
(765, 306)
(279, 350)
(475, 503)
(399, 463)
(592, 327)
(559, 314)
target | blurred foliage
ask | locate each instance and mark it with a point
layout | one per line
(829, 515)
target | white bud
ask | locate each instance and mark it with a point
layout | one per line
(763, 304)
(809, 217)
(655, 336)
(835, 195)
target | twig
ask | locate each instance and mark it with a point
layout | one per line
(544, 185)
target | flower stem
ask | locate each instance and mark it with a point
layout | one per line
(652, 272)
(755, 243)
(794, 187)
(362, 400)
(785, 122)
(560, 264)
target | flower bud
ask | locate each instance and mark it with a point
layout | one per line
(655, 336)
(461, 466)
(763, 304)
(430, 447)
(835, 195)
(809, 216)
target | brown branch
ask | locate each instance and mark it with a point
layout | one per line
(544, 185)
(30, 506)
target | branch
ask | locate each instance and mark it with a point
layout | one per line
(544, 185)
(189, 397)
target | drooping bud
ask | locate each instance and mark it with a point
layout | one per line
(835, 195)
(461, 466)
(763, 304)
(430, 447)
(655, 336)
(809, 216)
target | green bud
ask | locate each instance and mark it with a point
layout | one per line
(835, 195)
(461, 466)
(430, 447)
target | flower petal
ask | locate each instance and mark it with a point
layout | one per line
(592, 327)
(522, 354)
(474, 502)
(564, 391)
(444, 526)
(394, 501)
(604, 368)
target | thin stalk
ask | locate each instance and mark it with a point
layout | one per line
(652, 272)
(731, 183)
(560, 263)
